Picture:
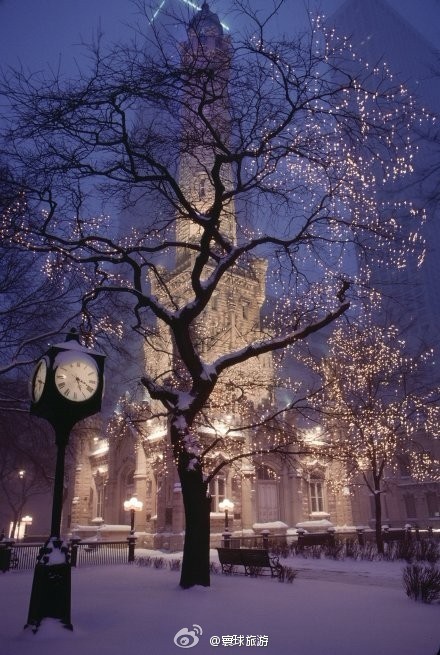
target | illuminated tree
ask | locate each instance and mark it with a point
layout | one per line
(378, 408)
(235, 156)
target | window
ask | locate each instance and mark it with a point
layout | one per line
(129, 485)
(432, 503)
(316, 495)
(266, 473)
(100, 483)
(100, 501)
(410, 506)
(217, 490)
(202, 188)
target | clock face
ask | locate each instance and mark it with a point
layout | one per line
(39, 380)
(77, 379)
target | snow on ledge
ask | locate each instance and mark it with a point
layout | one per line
(319, 524)
(272, 525)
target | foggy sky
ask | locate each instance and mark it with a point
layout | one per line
(48, 33)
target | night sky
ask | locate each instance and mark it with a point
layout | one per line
(43, 33)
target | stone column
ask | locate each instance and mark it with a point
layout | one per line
(140, 487)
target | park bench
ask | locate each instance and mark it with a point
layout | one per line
(314, 539)
(252, 559)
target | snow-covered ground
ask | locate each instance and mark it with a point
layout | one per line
(332, 608)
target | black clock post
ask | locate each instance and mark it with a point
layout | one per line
(66, 387)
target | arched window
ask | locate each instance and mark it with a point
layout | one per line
(316, 494)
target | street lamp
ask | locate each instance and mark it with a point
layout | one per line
(226, 506)
(133, 505)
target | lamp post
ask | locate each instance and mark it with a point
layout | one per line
(66, 387)
(133, 505)
(226, 506)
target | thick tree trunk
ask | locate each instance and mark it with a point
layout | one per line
(195, 563)
(197, 505)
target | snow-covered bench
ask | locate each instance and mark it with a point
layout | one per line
(252, 559)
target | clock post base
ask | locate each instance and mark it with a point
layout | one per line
(51, 587)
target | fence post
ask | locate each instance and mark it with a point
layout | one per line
(361, 536)
(265, 534)
(131, 546)
(331, 531)
(226, 539)
(74, 550)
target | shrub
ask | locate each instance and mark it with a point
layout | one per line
(288, 574)
(427, 550)
(214, 568)
(422, 582)
(335, 550)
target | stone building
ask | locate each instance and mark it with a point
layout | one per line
(118, 459)
(265, 490)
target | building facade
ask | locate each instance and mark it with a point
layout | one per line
(124, 458)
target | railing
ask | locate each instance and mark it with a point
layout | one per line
(22, 557)
(361, 537)
(19, 556)
(99, 552)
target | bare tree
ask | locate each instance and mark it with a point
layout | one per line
(239, 157)
(378, 408)
(26, 463)
(35, 306)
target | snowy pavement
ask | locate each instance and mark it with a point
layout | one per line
(332, 608)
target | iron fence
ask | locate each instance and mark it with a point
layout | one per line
(99, 552)
(22, 557)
